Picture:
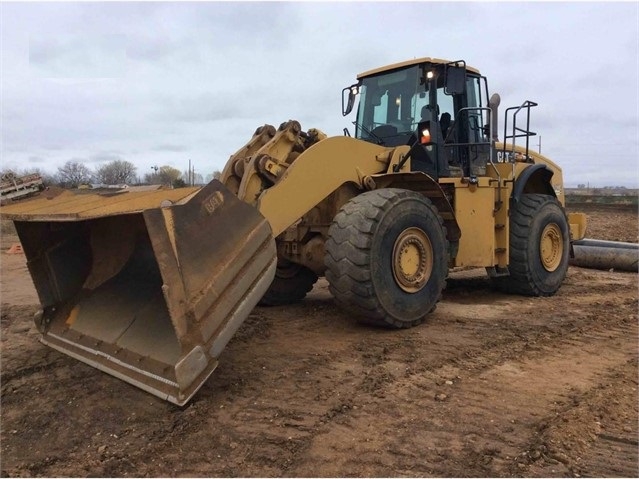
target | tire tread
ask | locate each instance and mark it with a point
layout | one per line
(521, 279)
(348, 255)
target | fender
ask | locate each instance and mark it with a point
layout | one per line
(534, 179)
(425, 184)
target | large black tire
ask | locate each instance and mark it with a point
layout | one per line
(539, 247)
(387, 257)
(292, 282)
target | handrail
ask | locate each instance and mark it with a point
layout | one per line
(526, 105)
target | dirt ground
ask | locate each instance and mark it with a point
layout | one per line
(489, 385)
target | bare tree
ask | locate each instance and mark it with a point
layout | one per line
(217, 174)
(72, 174)
(195, 178)
(165, 175)
(116, 172)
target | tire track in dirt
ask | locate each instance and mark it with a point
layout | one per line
(492, 421)
(592, 434)
(305, 391)
(341, 411)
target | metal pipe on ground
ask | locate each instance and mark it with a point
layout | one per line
(599, 254)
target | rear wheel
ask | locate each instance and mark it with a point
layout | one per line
(539, 247)
(292, 282)
(387, 257)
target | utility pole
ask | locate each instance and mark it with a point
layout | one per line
(540, 144)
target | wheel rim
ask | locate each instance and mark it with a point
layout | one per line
(412, 260)
(551, 247)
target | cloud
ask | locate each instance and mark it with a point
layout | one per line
(173, 148)
(161, 83)
(78, 56)
(201, 108)
(149, 49)
(36, 159)
(104, 157)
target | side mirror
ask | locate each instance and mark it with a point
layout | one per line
(348, 98)
(455, 82)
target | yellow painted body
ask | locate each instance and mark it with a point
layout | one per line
(415, 61)
(322, 169)
(480, 210)
(68, 206)
(296, 202)
(557, 180)
(474, 210)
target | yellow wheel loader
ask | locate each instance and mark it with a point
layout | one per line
(151, 286)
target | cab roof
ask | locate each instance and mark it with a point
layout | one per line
(407, 63)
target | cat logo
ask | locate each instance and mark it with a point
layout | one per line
(213, 202)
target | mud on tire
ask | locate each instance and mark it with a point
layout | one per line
(539, 247)
(387, 257)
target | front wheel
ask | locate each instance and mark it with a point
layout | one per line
(539, 247)
(387, 257)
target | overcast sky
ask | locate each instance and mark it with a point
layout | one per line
(162, 83)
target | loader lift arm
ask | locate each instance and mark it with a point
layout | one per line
(290, 164)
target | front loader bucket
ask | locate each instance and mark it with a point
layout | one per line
(148, 287)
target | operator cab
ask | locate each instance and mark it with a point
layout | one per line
(437, 107)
